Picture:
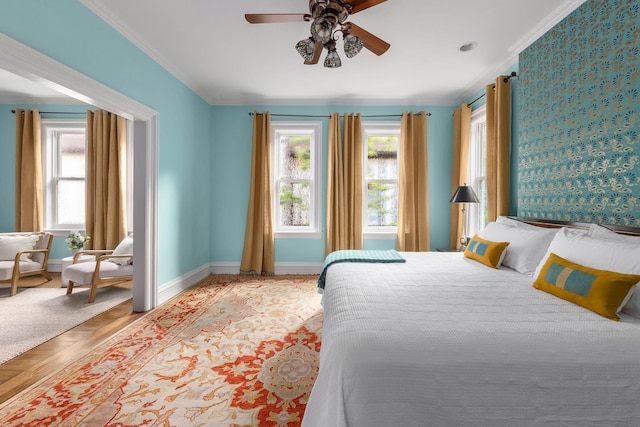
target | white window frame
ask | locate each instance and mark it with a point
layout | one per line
(51, 128)
(314, 130)
(388, 128)
(475, 173)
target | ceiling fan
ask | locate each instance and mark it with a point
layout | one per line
(328, 17)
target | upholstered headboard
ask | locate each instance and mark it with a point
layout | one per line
(620, 229)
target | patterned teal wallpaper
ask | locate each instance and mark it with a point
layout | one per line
(579, 118)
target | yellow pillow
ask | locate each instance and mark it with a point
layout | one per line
(487, 252)
(601, 291)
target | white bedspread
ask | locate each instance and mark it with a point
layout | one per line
(445, 341)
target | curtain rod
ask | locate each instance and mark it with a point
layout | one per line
(54, 112)
(506, 79)
(313, 115)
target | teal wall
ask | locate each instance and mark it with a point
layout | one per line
(231, 163)
(578, 148)
(70, 33)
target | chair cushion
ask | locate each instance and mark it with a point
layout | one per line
(125, 247)
(6, 268)
(82, 273)
(10, 245)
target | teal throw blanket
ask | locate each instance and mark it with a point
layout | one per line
(383, 256)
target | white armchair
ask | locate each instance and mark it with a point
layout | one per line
(22, 255)
(110, 268)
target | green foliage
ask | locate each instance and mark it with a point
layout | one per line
(381, 144)
(379, 195)
(295, 208)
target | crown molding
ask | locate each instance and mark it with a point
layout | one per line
(561, 12)
(485, 78)
(128, 33)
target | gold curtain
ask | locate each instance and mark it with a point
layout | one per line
(498, 147)
(258, 251)
(461, 130)
(106, 181)
(413, 201)
(335, 187)
(29, 214)
(344, 184)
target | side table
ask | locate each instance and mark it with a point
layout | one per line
(67, 261)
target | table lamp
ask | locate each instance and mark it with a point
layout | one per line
(464, 194)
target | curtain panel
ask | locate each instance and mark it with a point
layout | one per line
(29, 194)
(106, 182)
(344, 184)
(498, 147)
(258, 251)
(459, 176)
(413, 201)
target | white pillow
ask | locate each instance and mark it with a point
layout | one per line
(11, 245)
(603, 254)
(515, 223)
(600, 232)
(527, 245)
(125, 247)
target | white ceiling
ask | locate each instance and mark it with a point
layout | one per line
(209, 46)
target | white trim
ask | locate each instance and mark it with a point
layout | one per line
(280, 268)
(380, 235)
(103, 13)
(561, 12)
(27, 62)
(551, 20)
(21, 99)
(376, 128)
(180, 284)
(314, 130)
(50, 131)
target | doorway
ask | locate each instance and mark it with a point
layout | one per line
(22, 60)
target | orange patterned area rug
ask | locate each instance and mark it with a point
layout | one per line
(231, 351)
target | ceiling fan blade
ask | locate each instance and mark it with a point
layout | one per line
(371, 42)
(272, 18)
(316, 54)
(360, 5)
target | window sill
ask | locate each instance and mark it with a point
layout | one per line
(297, 235)
(379, 235)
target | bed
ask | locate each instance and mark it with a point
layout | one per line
(444, 340)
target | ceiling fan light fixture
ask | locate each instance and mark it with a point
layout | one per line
(306, 48)
(333, 59)
(322, 29)
(352, 45)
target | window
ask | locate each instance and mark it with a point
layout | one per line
(381, 141)
(296, 178)
(64, 172)
(478, 212)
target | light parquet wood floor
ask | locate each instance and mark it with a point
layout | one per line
(28, 368)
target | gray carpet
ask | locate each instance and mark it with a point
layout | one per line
(36, 315)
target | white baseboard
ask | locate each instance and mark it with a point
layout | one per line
(281, 267)
(54, 266)
(174, 287)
